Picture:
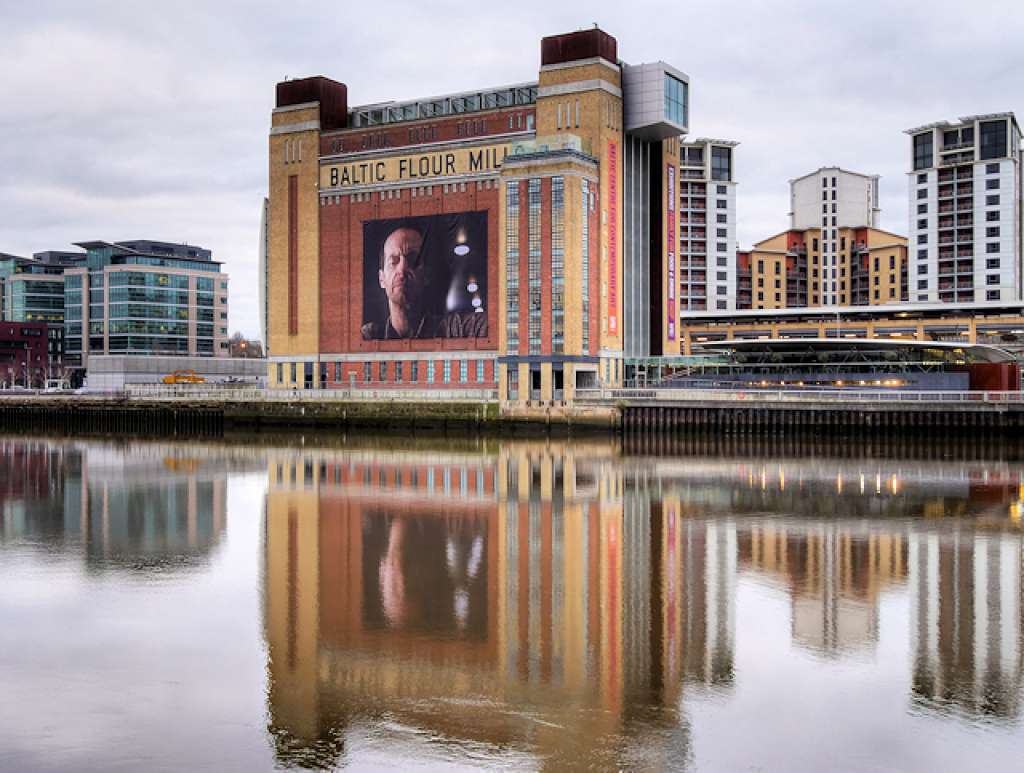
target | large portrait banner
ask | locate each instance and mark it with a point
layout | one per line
(425, 277)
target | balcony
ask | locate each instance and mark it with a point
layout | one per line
(957, 146)
(945, 191)
(965, 237)
(965, 189)
(945, 208)
(965, 222)
(946, 239)
(945, 222)
(692, 174)
(946, 253)
(965, 173)
(946, 176)
(966, 252)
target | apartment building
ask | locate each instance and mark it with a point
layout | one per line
(707, 225)
(795, 269)
(965, 210)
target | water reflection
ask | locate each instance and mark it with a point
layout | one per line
(541, 604)
(134, 507)
(549, 597)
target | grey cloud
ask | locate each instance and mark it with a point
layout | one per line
(123, 121)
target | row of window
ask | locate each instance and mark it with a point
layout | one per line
(397, 372)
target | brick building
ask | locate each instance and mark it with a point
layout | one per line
(477, 241)
(24, 354)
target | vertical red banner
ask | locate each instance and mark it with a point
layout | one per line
(671, 238)
(613, 237)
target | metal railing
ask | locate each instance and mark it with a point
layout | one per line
(247, 393)
(655, 396)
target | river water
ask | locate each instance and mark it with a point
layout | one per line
(705, 604)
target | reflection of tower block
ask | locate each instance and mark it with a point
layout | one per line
(967, 621)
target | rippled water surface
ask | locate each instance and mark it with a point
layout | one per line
(704, 604)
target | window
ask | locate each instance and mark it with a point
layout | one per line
(722, 218)
(992, 279)
(280, 372)
(833, 182)
(892, 261)
(367, 372)
(992, 263)
(721, 233)
(922, 178)
(382, 371)
(923, 151)
(922, 193)
(992, 217)
(993, 139)
(992, 232)
(337, 372)
(430, 371)
(992, 185)
(533, 266)
(294, 372)
(923, 223)
(992, 200)
(723, 261)
(991, 295)
(463, 371)
(399, 367)
(721, 189)
(922, 209)
(922, 238)
(512, 267)
(557, 265)
(721, 276)
(722, 204)
(992, 247)
(833, 194)
(721, 163)
(414, 371)
(480, 371)
(922, 284)
(446, 371)
(824, 182)
(722, 246)
(676, 100)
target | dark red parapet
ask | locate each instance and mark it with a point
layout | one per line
(573, 46)
(332, 96)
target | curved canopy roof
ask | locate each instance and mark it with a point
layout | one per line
(971, 352)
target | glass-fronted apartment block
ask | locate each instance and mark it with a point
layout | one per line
(32, 290)
(145, 297)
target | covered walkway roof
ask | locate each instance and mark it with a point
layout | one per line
(854, 347)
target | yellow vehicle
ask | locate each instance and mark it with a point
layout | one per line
(184, 377)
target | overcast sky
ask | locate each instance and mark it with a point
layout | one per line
(149, 120)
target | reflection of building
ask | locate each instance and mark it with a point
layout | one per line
(537, 581)
(966, 629)
(835, 575)
(159, 505)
